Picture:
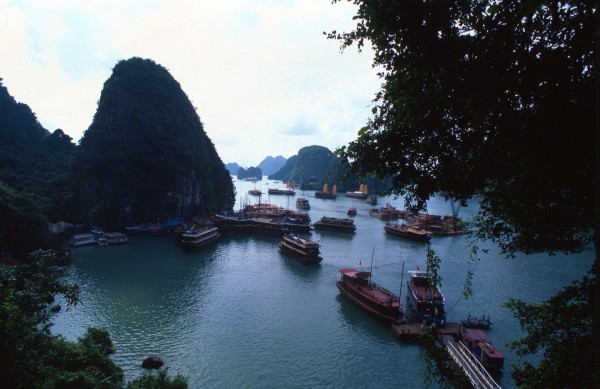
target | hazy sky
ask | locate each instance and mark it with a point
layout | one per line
(263, 77)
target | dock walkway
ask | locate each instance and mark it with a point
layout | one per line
(473, 369)
(464, 359)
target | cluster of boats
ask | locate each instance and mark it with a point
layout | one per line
(425, 306)
(97, 237)
(425, 301)
(420, 227)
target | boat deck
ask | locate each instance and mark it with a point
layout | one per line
(423, 292)
(376, 293)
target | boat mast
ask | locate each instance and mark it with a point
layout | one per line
(371, 271)
(401, 282)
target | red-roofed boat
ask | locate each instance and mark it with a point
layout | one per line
(480, 346)
(357, 287)
(427, 302)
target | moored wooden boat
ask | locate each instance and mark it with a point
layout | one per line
(80, 240)
(406, 231)
(480, 346)
(335, 224)
(233, 224)
(303, 250)
(197, 238)
(255, 192)
(286, 192)
(270, 227)
(427, 302)
(357, 287)
(302, 203)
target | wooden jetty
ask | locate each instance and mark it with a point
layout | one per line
(412, 331)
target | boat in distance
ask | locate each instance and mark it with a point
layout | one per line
(255, 192)
(362, 193)
(302, 203)
(303, 250)
(326, 194)
(406, 231)
(427, 302)
(285, 192)
(335, 224)
(357, 287)
(351, 211)
(197, 238)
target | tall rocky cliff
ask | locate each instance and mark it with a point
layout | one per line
(146, 154)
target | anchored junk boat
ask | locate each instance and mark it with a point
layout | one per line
(335, 224)
(326, 194)
(426, 301)
(361, 193)
(357, 287)
(303, 250)
(197, 238)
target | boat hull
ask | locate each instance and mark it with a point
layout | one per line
(361, 196)
(325, 195)
(425, 311)
(306, 259)
(335, 224)
(329, 227)
(365, 303)
(195, 243)
(408, 234)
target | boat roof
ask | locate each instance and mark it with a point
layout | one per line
(355, 273)
(418, 273)
(475, 335)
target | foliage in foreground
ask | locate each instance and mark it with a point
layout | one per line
(31, 357)
(562, 328)
(160, 380)
(494, 99)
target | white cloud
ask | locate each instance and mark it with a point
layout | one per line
(256, 71)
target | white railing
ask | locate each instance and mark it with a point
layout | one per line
(474, 370)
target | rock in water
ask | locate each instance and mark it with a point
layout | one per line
(153, 362)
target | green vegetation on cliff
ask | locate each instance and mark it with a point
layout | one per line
(146, 154)
(35, 180)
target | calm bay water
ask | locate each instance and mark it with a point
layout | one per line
(239, 314)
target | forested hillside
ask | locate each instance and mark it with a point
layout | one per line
(317, 165)
(35, 182)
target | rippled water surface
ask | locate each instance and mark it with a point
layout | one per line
(239, 314)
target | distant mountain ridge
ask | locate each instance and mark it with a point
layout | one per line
(270, 165)
(233, 168)
(315, 166)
